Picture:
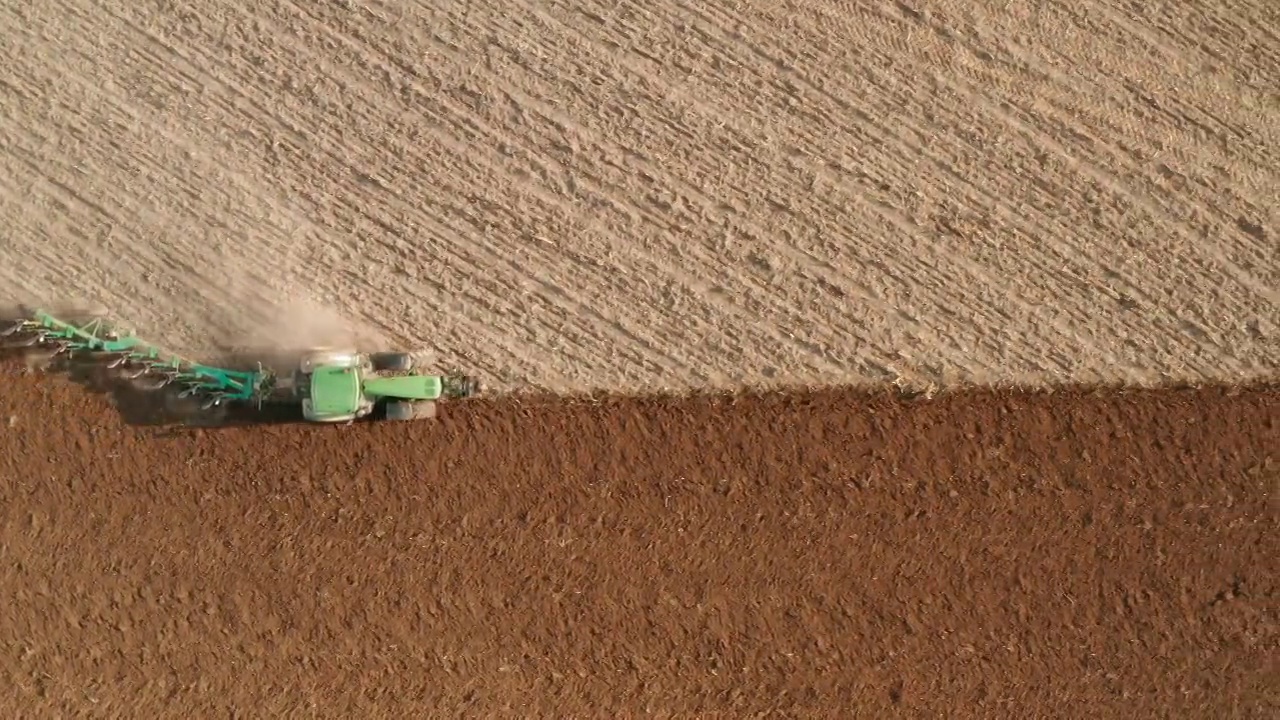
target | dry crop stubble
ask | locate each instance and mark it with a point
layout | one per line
(573, 196)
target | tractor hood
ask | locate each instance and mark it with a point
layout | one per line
(404, 387)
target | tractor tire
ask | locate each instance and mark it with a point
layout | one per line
(401, 410)
(392, 362)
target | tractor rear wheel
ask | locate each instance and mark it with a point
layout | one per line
(392, 362)
(410, 410)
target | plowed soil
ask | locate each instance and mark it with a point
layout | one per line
(983, 554)
(662, 194)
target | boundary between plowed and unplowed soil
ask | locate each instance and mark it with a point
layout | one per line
(1077, 553)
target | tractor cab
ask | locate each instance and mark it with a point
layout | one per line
(335, 394)
(327, 383)
(340, 386)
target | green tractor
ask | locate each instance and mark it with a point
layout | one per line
(344, 385)
(331, 385)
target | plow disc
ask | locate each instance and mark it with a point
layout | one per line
(12, 327)
(147, 381)
(21, 339)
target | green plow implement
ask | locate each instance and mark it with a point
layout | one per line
(146, 365)
(325, 385)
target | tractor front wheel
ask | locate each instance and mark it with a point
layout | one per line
(408, 410)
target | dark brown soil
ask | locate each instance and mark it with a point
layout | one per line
(990, 555)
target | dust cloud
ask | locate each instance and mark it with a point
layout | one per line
(283, 330)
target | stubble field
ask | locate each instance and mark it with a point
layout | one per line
(669, 195)
(637, 197)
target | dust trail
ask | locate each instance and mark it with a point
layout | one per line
(306, 323)
(281, 330)
(273, 314)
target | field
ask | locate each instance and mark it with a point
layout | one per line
(980, 555)
(576, 196)
(857, 198)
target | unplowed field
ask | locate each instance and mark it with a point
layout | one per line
(986, 555)
(579, 195)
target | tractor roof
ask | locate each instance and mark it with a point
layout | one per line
(335, 391)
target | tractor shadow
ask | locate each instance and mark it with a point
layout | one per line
(156, 409)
